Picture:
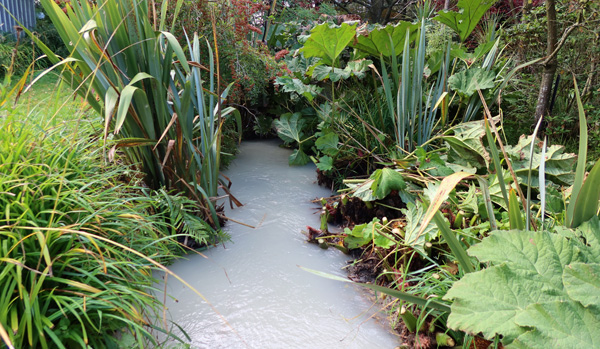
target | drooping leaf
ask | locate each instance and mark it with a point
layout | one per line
(466, 146)
(320, 72)
(368, 233)
(338, 74)
(289, 127)
(362, 191)
(558, 165)
(464, 21)
(298, 158)
(328, 41)
(359, 67)
(414, 217)
(385, 180)
(467, 82)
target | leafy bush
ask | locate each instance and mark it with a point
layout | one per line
(244, 60)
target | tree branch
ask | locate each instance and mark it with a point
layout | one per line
(562, 41)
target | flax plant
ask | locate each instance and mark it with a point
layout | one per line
(152, 96)
(405, 89)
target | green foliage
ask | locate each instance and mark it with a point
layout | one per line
(384, 181)
(367, 233)
(327, 42)
(466, 19)
(379, 185)
(386, 40)
(414, 215)
(18, 58)
(413, 120)
(469, 81)
(294, 85)
(530, 285)
(74, 236)
(151, 112)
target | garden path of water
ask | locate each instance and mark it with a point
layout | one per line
(254, 281)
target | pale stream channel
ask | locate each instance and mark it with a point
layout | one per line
(254, 281)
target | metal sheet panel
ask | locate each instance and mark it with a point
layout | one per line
(23, 10)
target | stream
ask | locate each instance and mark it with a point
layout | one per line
(254, 282)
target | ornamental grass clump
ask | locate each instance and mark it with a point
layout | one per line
(74, 241)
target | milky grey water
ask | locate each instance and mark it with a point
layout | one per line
(254, 281)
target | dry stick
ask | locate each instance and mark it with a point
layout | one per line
(512, 172)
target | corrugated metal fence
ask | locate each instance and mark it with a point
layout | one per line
(23, 10)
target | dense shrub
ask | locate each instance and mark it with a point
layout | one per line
(243, 58)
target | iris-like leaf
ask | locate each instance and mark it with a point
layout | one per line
(588, 199)
(514, 212)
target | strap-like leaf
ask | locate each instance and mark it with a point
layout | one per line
(588, 199)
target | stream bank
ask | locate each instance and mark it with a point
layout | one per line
(254, 281)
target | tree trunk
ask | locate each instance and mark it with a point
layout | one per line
(550, 66)
(375, 11)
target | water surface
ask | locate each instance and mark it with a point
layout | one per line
(254, 281)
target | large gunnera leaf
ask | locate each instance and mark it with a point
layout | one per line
(289, 127)
(464, 21)
(328, 41)
(541, 290)
(559, 325)
(468, 81)
(386, 40)
(582, 282)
